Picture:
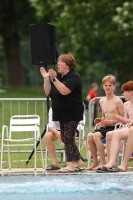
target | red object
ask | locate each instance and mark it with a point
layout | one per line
(92, 95)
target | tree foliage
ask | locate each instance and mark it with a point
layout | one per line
(15, 17)
(87, 29)
(98, 33)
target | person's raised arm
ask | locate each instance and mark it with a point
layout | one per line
(60, 86)
(47, 85)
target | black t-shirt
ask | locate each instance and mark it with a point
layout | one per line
(67, 107)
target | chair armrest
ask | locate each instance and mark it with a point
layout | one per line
(96, 126)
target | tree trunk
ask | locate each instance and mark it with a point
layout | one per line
(14, 61)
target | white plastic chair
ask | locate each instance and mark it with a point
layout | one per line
(20, 124)
(82, 134)
(124, 142)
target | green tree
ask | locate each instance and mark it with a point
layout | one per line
(87, 29)
(15, 18)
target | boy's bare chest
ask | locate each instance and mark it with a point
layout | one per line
(109, 107)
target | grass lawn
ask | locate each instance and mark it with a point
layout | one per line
(23, 92)
(19, 159)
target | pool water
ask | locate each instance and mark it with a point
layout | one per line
(83, 186)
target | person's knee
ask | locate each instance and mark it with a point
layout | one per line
(90, 137)
(117, 135)
(48, 136)
(97, 136)
(109, 135)
(130, 134)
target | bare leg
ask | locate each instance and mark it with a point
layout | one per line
(71, 166)
(79, 163)
(93, 149)
(48, 138)
(108, 143)
(128, 151)
(100, 147)
(117, 136)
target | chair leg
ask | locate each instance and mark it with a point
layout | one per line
(88, 153)
(9, 158)
(35, 156)
(46, 158)
(64, 156)
(1, 160)
(42, 153)
(79, 144)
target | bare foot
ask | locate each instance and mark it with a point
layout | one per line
(108, 165)
(67, 169)
(131, 158)
(123, 167)
(92, 166)
(79, 163)
(99, 166)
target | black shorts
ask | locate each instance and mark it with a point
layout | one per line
(104, 130)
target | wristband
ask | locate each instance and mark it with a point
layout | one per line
(54, 79)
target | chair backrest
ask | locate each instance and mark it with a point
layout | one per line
(22, 123)
(82, 122)
(81, 127)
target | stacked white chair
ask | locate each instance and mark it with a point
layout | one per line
(18, 125)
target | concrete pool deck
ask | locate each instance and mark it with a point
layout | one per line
(27, 171)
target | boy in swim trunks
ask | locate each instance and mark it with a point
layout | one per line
(129, 149)
(110, 105)
(114, 138)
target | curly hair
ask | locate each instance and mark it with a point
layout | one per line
(69, 60)
(128, 86)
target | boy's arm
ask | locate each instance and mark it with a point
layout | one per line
(98, 119)
(123, 119)
(121, 108)
(130, 124)
(108, 122)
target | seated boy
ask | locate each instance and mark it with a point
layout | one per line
(111, 105)
(113, 138)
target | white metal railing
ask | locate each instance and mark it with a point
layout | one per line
(89, 110)
(13, 106)
(25, 106)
